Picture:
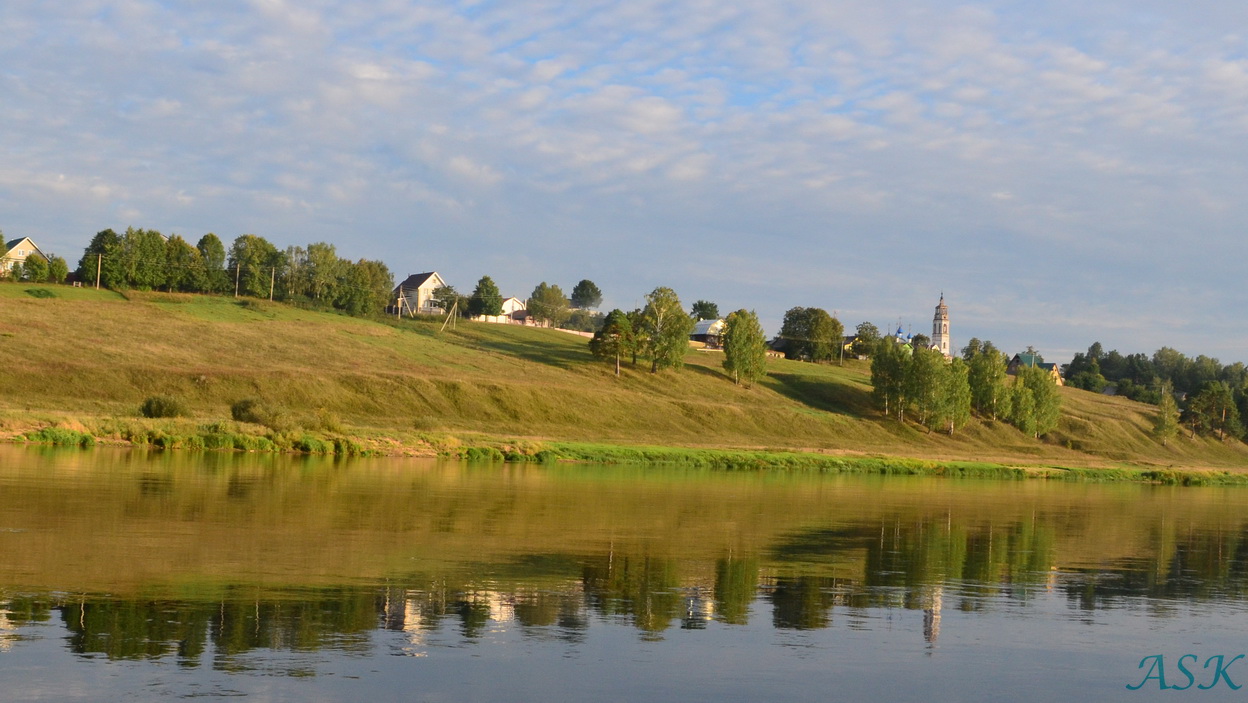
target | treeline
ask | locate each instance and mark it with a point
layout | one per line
(942, 394)
(147, 260)
(1202, 395)
(660, 332)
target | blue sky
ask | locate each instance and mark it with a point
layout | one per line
(1065, 172)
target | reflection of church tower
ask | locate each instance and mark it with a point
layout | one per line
(940, 328)
(931, 615)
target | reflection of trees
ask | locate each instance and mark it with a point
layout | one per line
(736, 585)
(803, 603)
(645, 588)
(906, 564)
(122, 629)
(919, 564)
(1196, 566)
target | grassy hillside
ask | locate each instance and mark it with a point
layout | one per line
(87, 359)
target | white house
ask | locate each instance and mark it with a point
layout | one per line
(414, 296)
(513, 313)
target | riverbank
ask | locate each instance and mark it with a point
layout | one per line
(85, 362)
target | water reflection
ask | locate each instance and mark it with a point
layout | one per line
(152, 556)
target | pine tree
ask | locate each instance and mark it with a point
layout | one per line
(614, 339)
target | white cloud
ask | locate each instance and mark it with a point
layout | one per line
(908, 132)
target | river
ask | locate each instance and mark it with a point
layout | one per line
(143, 576)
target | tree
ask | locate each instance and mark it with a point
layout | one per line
(1166, 423)
(448, 298)
(583, 320)
(614, 339)
(641, 339)
(58, 269)
(35, 269)
(972, 349)
(921, 341)
(102, 261)
(363, 287)
(322, 271)
(212, 258)
(745, 347)
(704, 310)
(865, 341)
(924, 381)
(183, 268)
(585, 295)
(986, 375)
(667, 329)
(1022, 408)
(1036, 402)
(954, 410)
(144, 257)
(254, 263)
(1214, 409)
(890, 368)
(811, 334)
(548, 304)
(485, 299)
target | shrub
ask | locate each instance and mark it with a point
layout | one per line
(61, 437)
(253, 410)
(247, 410)
(162, 406)
(483, 454)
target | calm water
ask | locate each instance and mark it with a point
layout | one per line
(130, 576)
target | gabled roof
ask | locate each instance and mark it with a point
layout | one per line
(13, 243)
(1025, 359)
(708, 327)
(418, 280)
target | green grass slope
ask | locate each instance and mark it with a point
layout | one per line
(91, 357)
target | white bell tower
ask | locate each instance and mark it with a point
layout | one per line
(940, 328)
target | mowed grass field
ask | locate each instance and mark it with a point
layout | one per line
(78, 356)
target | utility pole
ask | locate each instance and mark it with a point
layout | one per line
(272, 281)
(237, 267)
(99, 264)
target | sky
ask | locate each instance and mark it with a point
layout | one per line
(1063, 172)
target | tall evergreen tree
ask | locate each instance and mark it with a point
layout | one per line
(614, 339)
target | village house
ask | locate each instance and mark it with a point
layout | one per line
(17, 251)
(708, 332)
(414, 296)
(515, 312)
(1028, 359)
